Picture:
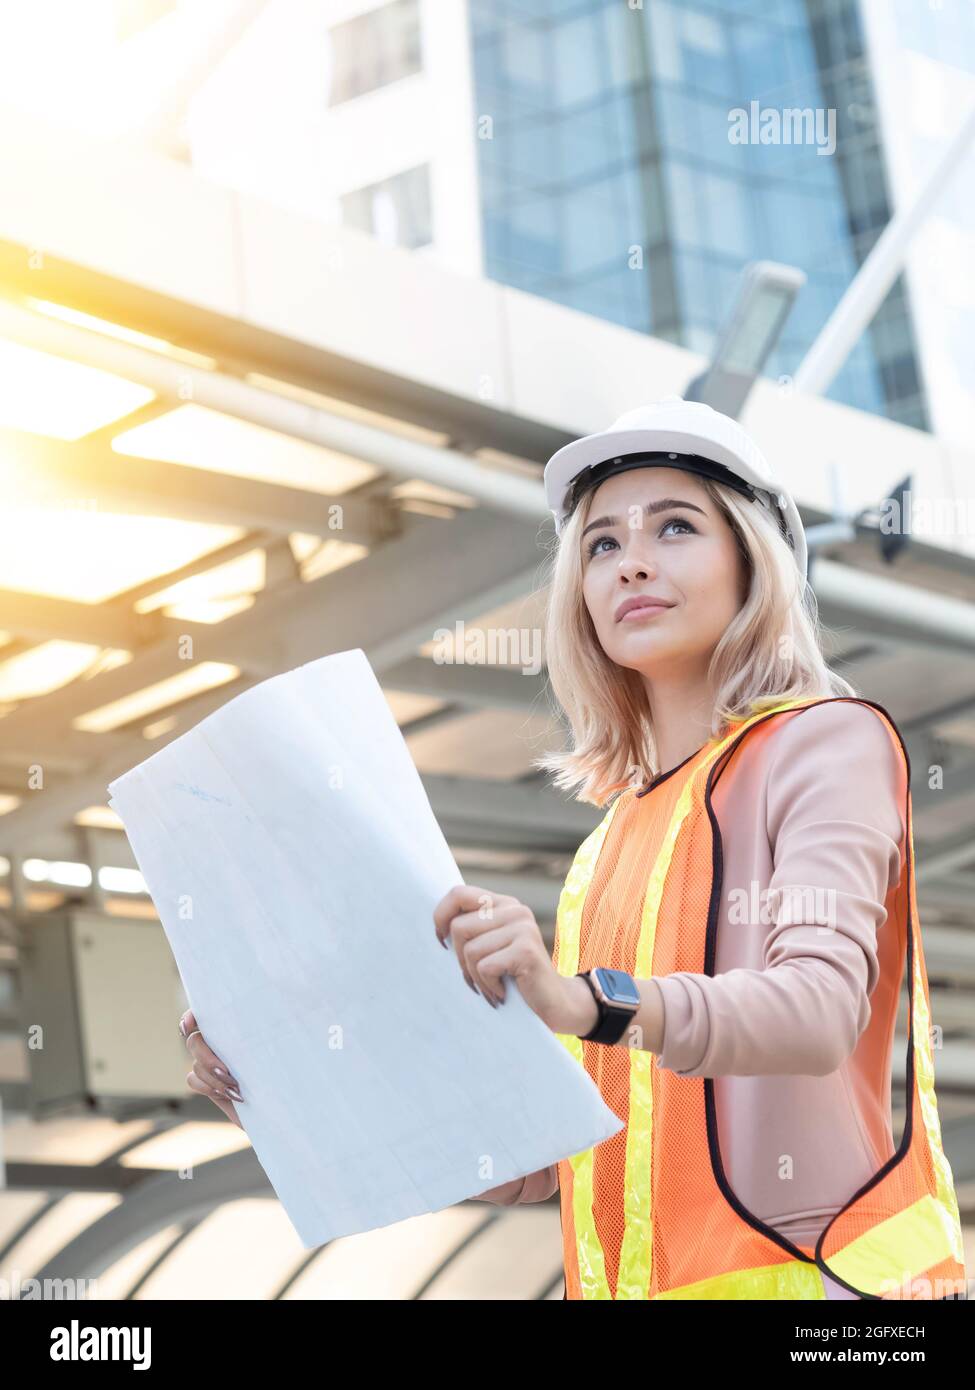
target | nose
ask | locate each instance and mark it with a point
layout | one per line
(632, 567)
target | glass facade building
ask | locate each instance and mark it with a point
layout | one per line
(634, 159)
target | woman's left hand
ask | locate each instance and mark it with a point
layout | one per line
(496, 935)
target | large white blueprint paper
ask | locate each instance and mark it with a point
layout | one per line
(295, 862)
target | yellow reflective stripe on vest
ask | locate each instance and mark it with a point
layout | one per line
(793, 1280)
(900, 1248)
(946, 1201)
(592, 1268)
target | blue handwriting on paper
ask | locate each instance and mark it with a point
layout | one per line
(204, 796)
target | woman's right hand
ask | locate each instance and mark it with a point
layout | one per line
(209, 1076)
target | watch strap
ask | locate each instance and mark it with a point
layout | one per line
(612, 1021)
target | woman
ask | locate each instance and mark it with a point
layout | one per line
(737, 890)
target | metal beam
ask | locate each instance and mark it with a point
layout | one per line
(943, 861)
(536, 891)
(481, 811)
(60, 474)
(40, 618)
(959, 781)
(886, 608)
(393, 453)
(493, 687)
(948, 892)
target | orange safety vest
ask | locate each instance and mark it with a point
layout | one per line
(649, 1213)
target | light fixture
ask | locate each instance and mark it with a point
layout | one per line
(203, 675)
(767, 291)
(198, 437)
(43, 668)
(62, 872)
(89, 556)
(120, 880)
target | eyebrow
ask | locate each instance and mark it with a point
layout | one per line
(651, 509)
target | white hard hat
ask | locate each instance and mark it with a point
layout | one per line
(678, 434)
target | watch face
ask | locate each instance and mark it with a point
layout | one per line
(618, 986)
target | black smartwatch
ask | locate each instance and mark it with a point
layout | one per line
(617, 999)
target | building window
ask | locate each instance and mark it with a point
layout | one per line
(373, 50)
(396, 211)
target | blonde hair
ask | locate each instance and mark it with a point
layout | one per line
(770, 652)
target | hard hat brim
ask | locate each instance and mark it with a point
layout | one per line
(568, 462)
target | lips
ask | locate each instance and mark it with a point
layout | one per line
(644, 601)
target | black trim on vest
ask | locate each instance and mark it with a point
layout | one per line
(565, 1272)
(662, 776)
(717, 874)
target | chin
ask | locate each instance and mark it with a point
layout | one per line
(634, 656)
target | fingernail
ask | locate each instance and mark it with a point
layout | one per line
(473, 987)
(235, 1096)
(181, 1028)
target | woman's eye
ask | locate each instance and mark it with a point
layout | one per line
(674, 521)
(597, 541)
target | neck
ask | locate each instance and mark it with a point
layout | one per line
(682, 707)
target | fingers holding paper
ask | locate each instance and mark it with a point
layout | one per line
(210, 1077)
(195, 1084)
(496, 935)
